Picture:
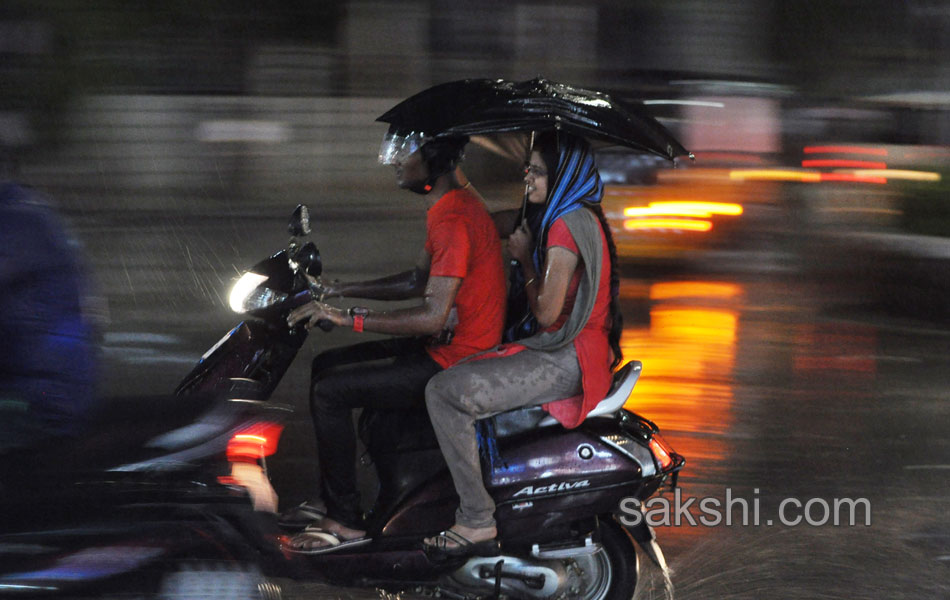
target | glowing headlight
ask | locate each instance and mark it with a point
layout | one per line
(247, 294)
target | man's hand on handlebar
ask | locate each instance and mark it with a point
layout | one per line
(321, 290)
(313, 312)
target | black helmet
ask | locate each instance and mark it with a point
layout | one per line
(441, 154)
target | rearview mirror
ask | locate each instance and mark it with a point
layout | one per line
(308, 257)
(300, 221)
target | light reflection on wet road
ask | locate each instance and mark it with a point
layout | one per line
(772, 393)
(765, 382)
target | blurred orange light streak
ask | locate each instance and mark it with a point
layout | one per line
(680, 224)
(843, 164)
(845, 150)
(774, 175)
(683, 209)
(693, 289)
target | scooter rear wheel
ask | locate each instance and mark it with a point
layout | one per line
(610, 574)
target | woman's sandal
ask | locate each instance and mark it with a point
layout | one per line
(314, 540)
(461, 546)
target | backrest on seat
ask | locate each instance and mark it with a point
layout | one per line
(532, 417)
(620, 390)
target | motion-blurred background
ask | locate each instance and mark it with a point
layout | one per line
(786, 291)
(809, 120)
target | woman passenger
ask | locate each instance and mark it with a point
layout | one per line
(568, 261)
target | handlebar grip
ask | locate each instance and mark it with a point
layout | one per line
(325, 324)
(299, 299)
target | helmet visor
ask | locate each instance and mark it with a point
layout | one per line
(397, 147)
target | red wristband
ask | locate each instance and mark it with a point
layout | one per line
(358, 313)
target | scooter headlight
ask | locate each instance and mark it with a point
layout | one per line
(248, 294)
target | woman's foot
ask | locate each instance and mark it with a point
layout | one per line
(460, 540)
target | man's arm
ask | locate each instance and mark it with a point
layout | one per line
(429, 318)
(401, 286)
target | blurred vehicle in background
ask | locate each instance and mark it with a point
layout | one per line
(671, 215)
(660, 214)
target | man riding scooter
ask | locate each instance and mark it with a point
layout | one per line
(460, 278)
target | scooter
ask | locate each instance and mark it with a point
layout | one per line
(558, 492)
(156, 499)
(159, 497)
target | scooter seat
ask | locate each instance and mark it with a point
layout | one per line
(532, 417)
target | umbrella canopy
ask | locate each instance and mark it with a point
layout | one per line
(486, 106)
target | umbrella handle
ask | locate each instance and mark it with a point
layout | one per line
(524, 200)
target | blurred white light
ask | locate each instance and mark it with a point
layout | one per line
(687, 103)
(266, 132)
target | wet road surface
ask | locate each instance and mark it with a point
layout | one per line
(777, 388)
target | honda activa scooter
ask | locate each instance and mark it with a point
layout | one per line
(558, 492)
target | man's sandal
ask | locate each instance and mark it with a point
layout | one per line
(460, 546)
(314, 540)
(302, 516)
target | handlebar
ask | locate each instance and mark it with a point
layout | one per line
(301, 298)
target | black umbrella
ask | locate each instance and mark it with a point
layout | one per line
(486, 106)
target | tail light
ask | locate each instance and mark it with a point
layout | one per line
(662, 451)
(253, 442)
(246, 446)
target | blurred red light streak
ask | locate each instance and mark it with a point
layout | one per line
(844, 164)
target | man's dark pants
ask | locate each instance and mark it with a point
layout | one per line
(388, 374)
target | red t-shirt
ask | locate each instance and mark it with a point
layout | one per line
(591, 345)
(463, 242)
